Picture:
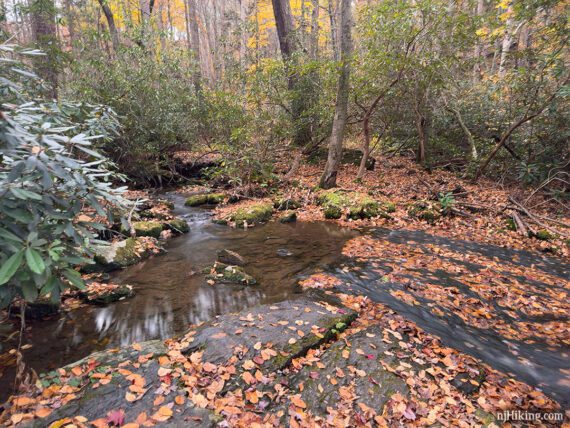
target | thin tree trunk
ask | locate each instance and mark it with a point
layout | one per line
(314, 39)
(195, 46)
(328, 179)
(334, 35)
(45, 36)
(110, 23)
(507, 42)
(479, 46)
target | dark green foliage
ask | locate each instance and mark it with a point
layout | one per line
(50, 173)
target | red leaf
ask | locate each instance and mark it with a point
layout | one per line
(116, 417)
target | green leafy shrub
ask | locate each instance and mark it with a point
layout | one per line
(52, 185)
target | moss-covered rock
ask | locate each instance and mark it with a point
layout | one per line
(252, 214)
(357, 205)
(286, 204)
(178, 226)
(220, 272)
(288, 217)
(148, 228)
(205, 199)
(121, 254)
(425, 210)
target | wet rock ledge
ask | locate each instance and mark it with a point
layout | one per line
(235, 360)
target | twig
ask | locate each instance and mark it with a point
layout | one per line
(535, 219)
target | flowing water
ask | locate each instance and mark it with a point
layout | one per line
(171, 294)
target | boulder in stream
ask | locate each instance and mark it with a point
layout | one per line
(177, 226)
(205, 199)
(229, 257)
(148, 228)
(288, 217)
(259, 212)
(121, 254)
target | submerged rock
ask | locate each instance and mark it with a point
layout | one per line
(221, 272)
(205, 199)
(113, 294)
(37, 310)
(229, 257)
(121, 254)
(288, 217)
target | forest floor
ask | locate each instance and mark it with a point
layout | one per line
(339, 356)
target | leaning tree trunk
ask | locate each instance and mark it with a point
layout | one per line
(328, 179)
(45, 36)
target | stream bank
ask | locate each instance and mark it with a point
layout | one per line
(383, 346)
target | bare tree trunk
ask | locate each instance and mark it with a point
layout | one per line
(195, 46)
(285, 30)
(328, 179)
(45, 36)
(314, 39)
(507, 42)
(70, 21)
(422, 138)
(289, 45)
(479, 46)
(110, 23)
(334, 35)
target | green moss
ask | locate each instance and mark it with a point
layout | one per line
(424, 210)
(148, 228)
(229, 274)
(127, 255)
(300, 347)
(390, 207)
(364, 207)
(205, 199)
(258, 213)
(178, 226)
(510, 224)
(359, 205)
(544, 235)
(333, 212)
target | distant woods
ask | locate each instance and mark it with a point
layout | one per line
(479, 87)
